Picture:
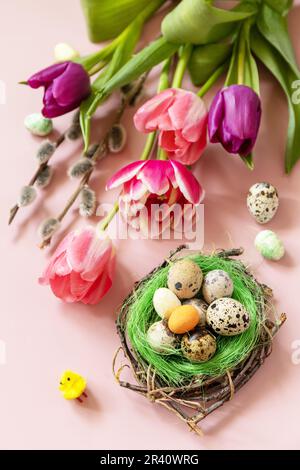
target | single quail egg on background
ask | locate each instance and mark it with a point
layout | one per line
(201, 308)
(269, 245)
(160, 338)
(199, 345)
(185, 278)
(217, 283)
(164, 302)
(262, 202)
(227, 317)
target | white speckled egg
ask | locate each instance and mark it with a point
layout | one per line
(198, 346)
(262, 202)
(269, 245)
(217, 283)
(201, 308)
(185, 278)
(164, 302)
(160, 338)
(227, 317)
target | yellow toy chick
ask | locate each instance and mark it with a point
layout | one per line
(72, 386)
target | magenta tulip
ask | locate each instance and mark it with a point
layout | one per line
(66, 85)
(234, 119)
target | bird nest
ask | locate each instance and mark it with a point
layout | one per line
(192, 391)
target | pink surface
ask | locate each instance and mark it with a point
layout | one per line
(43, 337)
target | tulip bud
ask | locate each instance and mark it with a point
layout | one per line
(80, 168)
(45, 151)
(87, 204)
(44, 177)
(117, 138)
(27, 196)
(38, 124)
(48, 228)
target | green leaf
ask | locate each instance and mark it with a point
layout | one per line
(273, 27)
(287, 79)
(106, 19)
(198, 22)
(206, 59)
(281, 6)
(155, 53)
(248, 160)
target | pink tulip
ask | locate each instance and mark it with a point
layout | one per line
(181, 117)
(82, 267)
(162, 183)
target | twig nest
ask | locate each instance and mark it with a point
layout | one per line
(183, 319)
(262, 202)
(227, 317)
(269, 245)
(216, 284)
(37, 124)
(198, 346)
(160, 338)
(185, 279)
(164, 302)
(201, 308)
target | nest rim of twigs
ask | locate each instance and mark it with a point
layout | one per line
(195, 399)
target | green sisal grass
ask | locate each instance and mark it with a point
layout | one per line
(172, 367)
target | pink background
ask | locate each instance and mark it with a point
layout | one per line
(43, 337)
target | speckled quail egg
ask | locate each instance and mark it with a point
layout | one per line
(262, 202)
(216, 283)
(198, 346)
(164, 302)
(185, 278)
(201, 308)
(160, 338)
(227, 317)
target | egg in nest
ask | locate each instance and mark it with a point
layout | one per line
(185, 278)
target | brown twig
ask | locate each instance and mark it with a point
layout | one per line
(61, 138)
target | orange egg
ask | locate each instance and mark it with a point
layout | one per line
(183, 319)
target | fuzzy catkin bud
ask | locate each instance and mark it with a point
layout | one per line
(74, 132)
(44, 177)
(91, 151)
(45, 151)
(48, 228)
(87, 204)
(27, 196)
(80, 168)
(117, 138)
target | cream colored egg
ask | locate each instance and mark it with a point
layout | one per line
(160, 338)
(185, 278)
(201, 308)
(227, 317)
(262, 202)
(216, 283)
(164, 302)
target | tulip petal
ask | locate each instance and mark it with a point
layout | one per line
(215, 116)
(154, 176)
(60, 286)
(46, 76)
(66, 95)
(125, 174)
(50, 271)
(148, 116)
(78, 248)
(188, 184)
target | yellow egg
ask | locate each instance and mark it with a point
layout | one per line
(183, 319)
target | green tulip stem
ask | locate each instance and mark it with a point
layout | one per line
(184, 57)
(148, 146)
(212, 79)
(102, 226)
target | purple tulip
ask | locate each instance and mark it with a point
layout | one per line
(66, 85)
(234, 119)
